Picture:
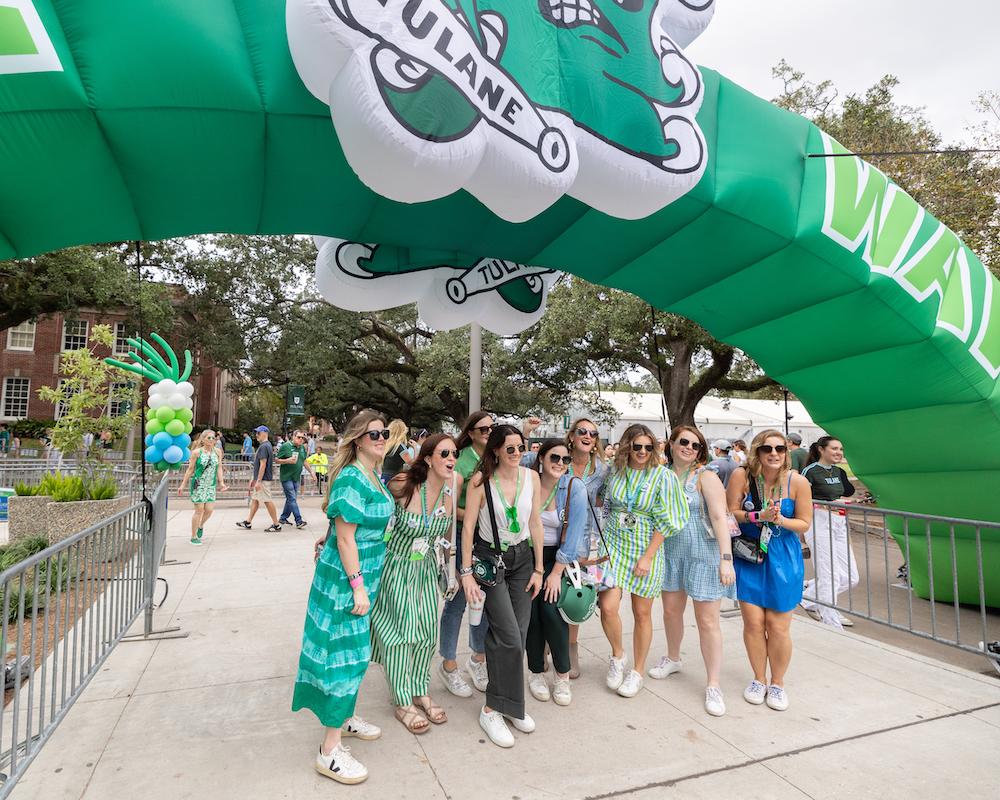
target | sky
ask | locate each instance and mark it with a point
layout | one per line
(944, 54)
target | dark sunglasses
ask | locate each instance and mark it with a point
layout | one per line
(511, 449)
(687, 443)
(376, 435)
(638, 448)
(446, 453)
(767, 448)
(481, 428)
(586, 432)
(556, 459)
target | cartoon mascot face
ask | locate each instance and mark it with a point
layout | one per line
(516, 101)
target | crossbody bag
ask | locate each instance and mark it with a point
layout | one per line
(489, 571)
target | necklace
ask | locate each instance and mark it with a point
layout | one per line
(513, 524)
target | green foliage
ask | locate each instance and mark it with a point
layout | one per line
(48, 483)
(105, 488)
(55, 572)
(22, 489)
(25, 548)
(31, 428)
(68, 489)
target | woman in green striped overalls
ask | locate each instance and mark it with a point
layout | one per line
(405, 618)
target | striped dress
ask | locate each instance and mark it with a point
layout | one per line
(336, 644)
(405, 618)
(659, 505)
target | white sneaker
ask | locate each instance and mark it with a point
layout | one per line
(561, 692)
(454, 682)
(526, 724)
(755, 692)
(494, 726)
(847, 622)
(616, 672)
(776, 698)
(631, 685)
(360, 729)
(714, 704)
(663, 668)
(538, 687)
(477, 671)
(341, 765)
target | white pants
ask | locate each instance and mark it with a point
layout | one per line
(833, 560)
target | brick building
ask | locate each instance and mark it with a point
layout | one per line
(29, 359)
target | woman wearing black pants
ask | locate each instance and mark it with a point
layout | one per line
(504, 498)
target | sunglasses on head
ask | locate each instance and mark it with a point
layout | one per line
(446, 453)
(767, 448)
(638, 448)
(376, 435)
(510, 449)
(696, 445)
(558, 459)
(586, 432)
(482, 428)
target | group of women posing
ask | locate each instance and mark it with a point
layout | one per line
(517, 521)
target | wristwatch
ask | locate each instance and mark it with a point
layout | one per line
(727, 556)
(464, 571)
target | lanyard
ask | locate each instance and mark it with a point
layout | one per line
(684, 478)
(775, 493)
(630, 495)
(513, 525)
(423, 504)
(588, 470)
(551, 496)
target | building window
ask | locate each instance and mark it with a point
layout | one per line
(21, 337)
(75, 334)
(16, 392)
(121, 335)
(67, 393)
(119, 403)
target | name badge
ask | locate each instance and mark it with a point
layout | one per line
(412, 522)
(418, 549)
(440, 511)
(765, 537)
(626, 519)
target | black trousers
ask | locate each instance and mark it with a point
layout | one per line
(547, 627)
(508, 609)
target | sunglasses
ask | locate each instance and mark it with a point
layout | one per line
(447, 453)
(586, 432)
(482, 428)
(376, 435)
(511, 449)
(638, 448)
(687, 443)
(767, 448)
(209, 437)
(557, 459)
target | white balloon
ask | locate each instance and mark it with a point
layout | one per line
(156, 400)
(176, 400)
(185, 388)
(167, 386)
(188, 403)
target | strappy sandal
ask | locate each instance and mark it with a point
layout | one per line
(411, 719)
(434, 713)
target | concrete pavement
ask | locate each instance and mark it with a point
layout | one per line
(208, 716)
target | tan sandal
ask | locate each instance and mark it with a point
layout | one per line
(411, 719)
(434, 713)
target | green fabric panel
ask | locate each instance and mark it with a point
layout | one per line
(15, 38)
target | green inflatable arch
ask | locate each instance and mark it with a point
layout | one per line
(148, 120)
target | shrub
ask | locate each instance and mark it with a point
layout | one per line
(22, 489)
(68, 489)
(31, 428)
(105, 488)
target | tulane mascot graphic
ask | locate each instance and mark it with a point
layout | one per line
(518, 102)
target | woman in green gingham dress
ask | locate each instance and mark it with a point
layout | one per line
(336, 644)
(203, 476)
(405, 618)
(645, 505)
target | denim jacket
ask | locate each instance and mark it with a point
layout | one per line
(577, 542)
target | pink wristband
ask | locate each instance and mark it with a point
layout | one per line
(356, 582)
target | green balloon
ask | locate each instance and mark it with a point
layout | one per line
(188, 427)
(154, 426)
(150, 413)
(174, 467)
(175, 427)
(162, 466)
(184, 414)
(164, 414)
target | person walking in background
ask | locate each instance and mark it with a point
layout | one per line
(261, 480)
(310, 444)
(247, 450)
(471, 445)
(773, 506)
(645, 504)
(292, 458)
(722, 464)
(739, 452)
(833, 559)
(405, 619)
(398, 452)
(4, 439)
(204, 471)
(698, 564)
(799, 454)
(319, 462)
(336, 641)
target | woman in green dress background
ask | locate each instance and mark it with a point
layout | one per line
(336, 644)
(405, 618)
(204, 471)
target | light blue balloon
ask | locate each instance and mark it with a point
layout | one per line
(153, 454)
(149, 440)
(187, 454)
(183, 440)
(163, 440)
(173, 454)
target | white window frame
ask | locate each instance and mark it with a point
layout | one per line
(115, 405)
(85, 334)
(59, 403)
(122, 347)
(23, 328)
(3, 398)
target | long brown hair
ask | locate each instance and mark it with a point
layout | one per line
(348, 450)
(406, 483)
(465, 437)
(488, 463)
(702, 458)
(754, 466)
(633, 432)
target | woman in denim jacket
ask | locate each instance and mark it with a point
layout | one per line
(566, 540)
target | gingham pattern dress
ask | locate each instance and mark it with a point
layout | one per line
(336, 644)
(405, 618)
(660, 506)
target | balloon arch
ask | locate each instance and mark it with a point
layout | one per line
(500, 140)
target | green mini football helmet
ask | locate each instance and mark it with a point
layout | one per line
(577, 598)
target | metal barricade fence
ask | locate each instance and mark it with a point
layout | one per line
(64, 610)
(128, 475)
(932, 576)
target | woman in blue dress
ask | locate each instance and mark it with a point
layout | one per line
(773, 505)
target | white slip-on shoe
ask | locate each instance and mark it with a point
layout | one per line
(714, 704)
(631, 685)
(846, 622)
(538, 687)
(776, 698)
(526, 724)
(494, 726)
(755, 692)
(477, 671)
(561, 693)
(360, 729)
(616, 672)
(341, 765)
(454, 682)
(664, 667)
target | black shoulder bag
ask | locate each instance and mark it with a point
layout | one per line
(747, 548)
(487, 571)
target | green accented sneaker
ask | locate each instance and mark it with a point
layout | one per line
(195, 540)
(200, 533)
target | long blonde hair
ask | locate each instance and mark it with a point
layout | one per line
(347, 452)
(200, 442)
(754, 466)
(633, 432)
(595, 451)
(397, 435)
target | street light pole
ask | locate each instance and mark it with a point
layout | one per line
(785, 390)
(475, 367)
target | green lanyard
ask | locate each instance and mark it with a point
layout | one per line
(513, 525)
(588, 470)
(551, 497)
(775, 493)
(630, 495)
(423, 505)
